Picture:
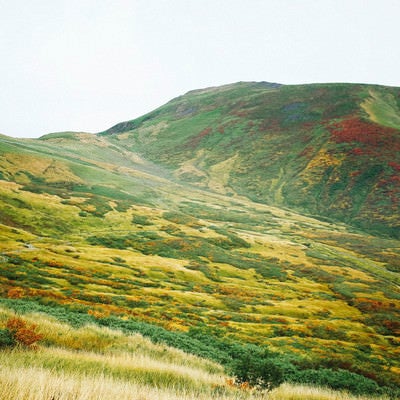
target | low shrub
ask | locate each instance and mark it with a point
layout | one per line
(141, 220)
(22, 332)
(6, 339)
(337, 379)
(254, 366)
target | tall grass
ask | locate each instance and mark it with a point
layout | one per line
(34, 383)
(111, 342)
(95, 354)
(298, 392)
(93, 363)
(140, 369)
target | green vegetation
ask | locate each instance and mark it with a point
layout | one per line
(152, 228)
(6, 339)
(254, 366)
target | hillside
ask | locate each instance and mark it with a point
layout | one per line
(328, 150)
(93, 362)
(250, 213)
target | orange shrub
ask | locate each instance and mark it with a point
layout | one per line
(15, 293)
(24, 333)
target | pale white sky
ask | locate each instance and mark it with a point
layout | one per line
(86, 65)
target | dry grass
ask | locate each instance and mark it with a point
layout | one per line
(32, 383)
(110, 343)
(139, 370)
(298, 392)
(100, 363)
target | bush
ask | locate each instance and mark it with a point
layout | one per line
(179, 218)
(6, 339)
(141, 220)
(337, 379)
(22, 332)
(255, 366)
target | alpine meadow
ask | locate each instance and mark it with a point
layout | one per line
(239, 242)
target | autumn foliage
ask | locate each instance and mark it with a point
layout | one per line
(355, 130)
(23, 333)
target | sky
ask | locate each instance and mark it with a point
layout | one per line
(85, 65)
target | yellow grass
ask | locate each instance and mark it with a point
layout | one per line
(102, 340)
(47, 168)
(220, 173)
(32, 383)
(298, 392)
(101, 363)
(40, 384)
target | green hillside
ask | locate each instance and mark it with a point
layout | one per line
(328, 150)
(252, 218)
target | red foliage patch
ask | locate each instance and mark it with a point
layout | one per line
(394, 165)
(369, 305)
(15, 293)
(54, 264)
(193, 143)
(308, 151)
(204, 132)
(392, 325)
(221, 129)
(369, 133)
(355, 173)
(395, 179)
(357, 151)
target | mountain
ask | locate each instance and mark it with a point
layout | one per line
(328, 150)
(249, 213)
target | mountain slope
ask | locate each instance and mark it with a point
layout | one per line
(331, 150)
(158, 224)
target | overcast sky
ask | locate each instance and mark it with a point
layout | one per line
(85, 65)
